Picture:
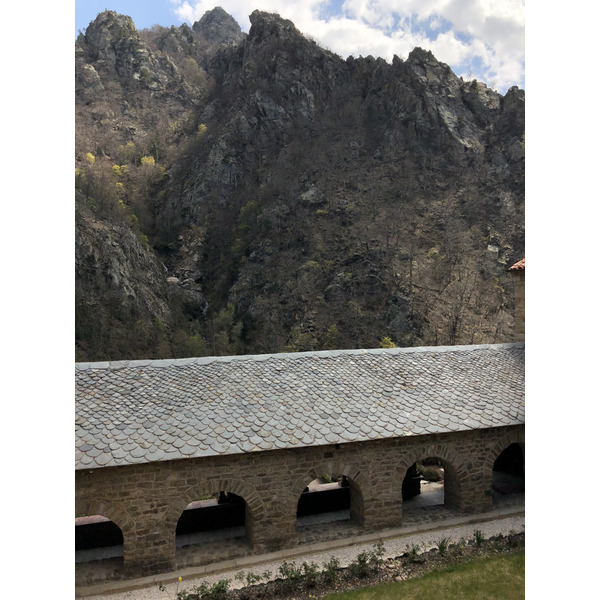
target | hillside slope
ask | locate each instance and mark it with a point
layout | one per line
(286, 199)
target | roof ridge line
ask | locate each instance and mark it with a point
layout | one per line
(203, 360)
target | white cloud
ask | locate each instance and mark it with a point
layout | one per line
(301, 13)
(483, 38)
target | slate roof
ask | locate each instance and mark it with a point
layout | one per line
(143, 411)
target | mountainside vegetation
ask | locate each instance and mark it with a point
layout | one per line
(256, 193)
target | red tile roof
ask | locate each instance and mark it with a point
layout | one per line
(519, 266)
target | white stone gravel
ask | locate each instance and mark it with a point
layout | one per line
(393, 547)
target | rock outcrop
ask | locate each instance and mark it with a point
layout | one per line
(121, 289)
(218, 27)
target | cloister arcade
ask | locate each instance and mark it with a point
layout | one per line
(210, 525)
(185, 462)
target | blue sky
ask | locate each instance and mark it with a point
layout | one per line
(144, 14)
(482, 39)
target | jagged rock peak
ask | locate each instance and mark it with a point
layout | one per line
(515, 95)
(422, 56)
(110, 23)
(111, 46)
(429, 68)
(264, 25)
(219, 27)
(108, 35)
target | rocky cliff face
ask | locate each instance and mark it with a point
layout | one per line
(299, 200)
(118, 280)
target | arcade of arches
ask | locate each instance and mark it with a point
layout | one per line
(157, 517)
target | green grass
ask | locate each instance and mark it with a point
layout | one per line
(496, 578)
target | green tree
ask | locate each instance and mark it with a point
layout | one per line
(386, 342)
(226, 333)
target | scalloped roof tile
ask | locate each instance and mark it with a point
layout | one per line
(132, 412)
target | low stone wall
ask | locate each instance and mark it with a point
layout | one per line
(146, 500)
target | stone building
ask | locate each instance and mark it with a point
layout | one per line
(181, 462)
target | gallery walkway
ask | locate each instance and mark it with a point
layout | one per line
(426, 521)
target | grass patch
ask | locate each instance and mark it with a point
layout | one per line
(493, 578)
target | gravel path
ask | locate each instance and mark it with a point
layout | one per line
(393, 547)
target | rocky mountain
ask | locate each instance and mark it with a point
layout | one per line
(258, 193)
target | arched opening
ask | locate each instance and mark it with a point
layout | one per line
(429, 489)
(97, 538)
(330, 506)
(212, 528)
(98, 549)
(423, 484)
(508, 475)
(324, 500)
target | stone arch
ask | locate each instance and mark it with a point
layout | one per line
(115, 513)
(360, 488)
(255, 509)
(511, 438)
(454, 468)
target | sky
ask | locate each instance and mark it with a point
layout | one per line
(479, 39)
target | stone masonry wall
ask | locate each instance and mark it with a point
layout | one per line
(146, 500)
(519, 279)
